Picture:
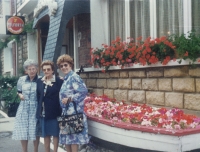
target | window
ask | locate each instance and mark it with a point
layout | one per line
(117, 19)
(169, 16)
(196, 16)
(135, 18)
(139, 18)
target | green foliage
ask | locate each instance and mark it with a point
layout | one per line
(98, 53)
(12, 37)
(28, 27)
(187, 47)
(8, 89)
(4, 44)
(162, 50)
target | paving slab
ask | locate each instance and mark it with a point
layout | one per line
(9, 145)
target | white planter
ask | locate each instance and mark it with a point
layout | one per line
(152, 140)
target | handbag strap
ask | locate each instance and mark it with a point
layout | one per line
(67, 106)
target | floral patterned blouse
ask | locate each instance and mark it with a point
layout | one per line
(74, 87)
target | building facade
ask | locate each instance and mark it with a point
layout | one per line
(75, 26)
(6, 8)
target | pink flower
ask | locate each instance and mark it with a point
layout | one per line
(177, 126)
(140, 114)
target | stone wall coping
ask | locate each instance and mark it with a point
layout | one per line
(138, 65)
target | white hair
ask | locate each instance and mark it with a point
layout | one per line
(30, 62)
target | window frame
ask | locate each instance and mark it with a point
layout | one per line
(187, 23)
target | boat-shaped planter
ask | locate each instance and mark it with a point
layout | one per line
(144, 137)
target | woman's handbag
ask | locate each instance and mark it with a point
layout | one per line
(71, 124)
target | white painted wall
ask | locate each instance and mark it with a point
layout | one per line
(8, 61)
(99, 23)
(6, 11)
(144, 140)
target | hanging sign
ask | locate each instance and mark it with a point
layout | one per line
(15, 25)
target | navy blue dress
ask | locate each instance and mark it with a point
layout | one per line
(48, 106)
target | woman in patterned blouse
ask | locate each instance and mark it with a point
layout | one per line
(25, 120)
(73, 89)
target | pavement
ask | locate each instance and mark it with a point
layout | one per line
(9, 145)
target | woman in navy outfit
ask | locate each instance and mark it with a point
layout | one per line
(48, 110)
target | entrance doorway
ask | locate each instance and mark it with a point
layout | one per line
(42, 32)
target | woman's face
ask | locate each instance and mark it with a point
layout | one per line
(31, 71)
(65, 67)
(47, 70)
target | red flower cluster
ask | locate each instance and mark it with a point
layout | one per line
(141, 114)
(128, 53)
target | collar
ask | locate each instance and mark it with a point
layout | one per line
(53, 79)
(68, 74)
(34, 80)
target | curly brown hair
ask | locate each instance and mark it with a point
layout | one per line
(47, 62)
(65, 58)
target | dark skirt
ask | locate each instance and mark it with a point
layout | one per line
(48, 128)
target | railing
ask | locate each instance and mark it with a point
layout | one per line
(81, 70)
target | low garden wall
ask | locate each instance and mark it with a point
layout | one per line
(176, 86)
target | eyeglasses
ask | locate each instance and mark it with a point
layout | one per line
(63, 65)
(48, 69)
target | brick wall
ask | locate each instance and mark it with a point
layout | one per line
(166, 86)
(12, 6)
(22, 53)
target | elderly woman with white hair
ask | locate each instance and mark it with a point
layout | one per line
(25, 120)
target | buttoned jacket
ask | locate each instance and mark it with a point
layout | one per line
(50, 98)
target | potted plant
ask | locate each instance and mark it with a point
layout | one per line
(8, 90)
(149, 51)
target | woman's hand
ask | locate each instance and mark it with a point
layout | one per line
(21, 96)
(66, 100)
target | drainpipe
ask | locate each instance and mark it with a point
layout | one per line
(10, 45)
(21, 40)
